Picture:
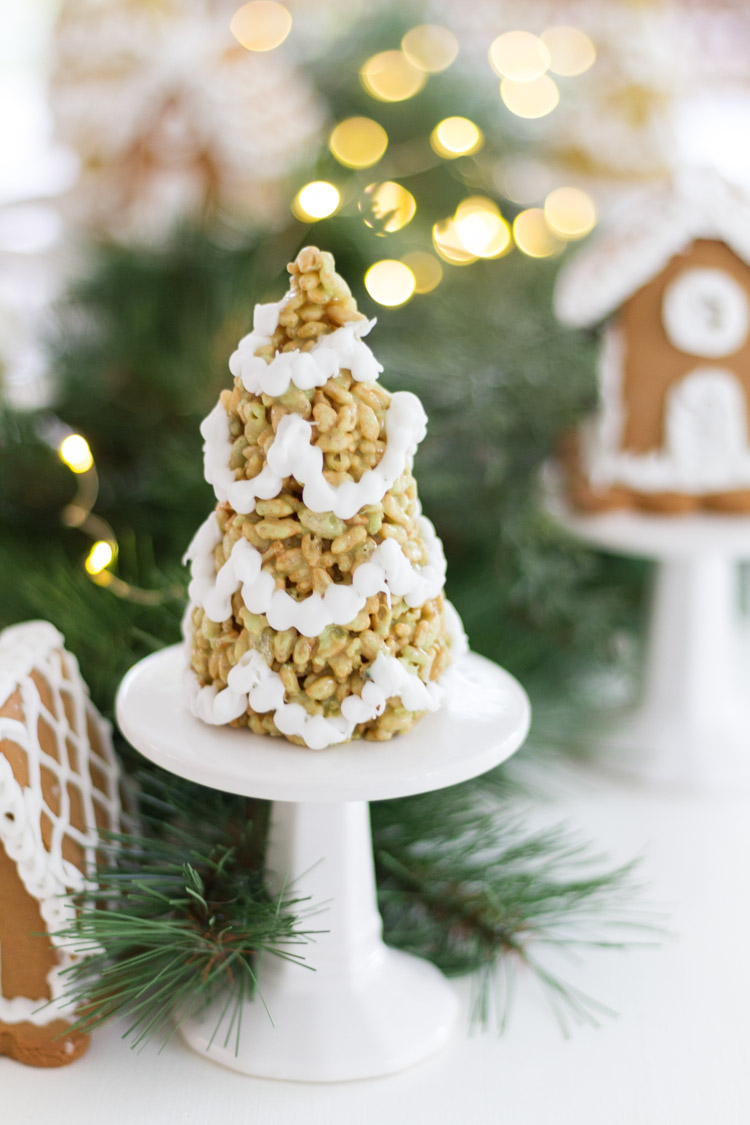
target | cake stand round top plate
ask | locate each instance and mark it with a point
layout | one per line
(647, 535)
(483, 720)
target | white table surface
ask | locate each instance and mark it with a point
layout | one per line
(677, 1053)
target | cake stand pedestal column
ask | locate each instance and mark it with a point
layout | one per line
(692, 725)
(366, 1009)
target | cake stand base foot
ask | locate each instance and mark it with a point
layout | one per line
(332, 1030)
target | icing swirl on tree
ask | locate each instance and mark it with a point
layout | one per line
(316, 605)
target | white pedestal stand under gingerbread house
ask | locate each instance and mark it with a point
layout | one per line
(367, 1009)
(692, 725)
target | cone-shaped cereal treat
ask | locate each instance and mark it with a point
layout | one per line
(316, 601)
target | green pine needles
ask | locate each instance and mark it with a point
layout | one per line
(182, 910)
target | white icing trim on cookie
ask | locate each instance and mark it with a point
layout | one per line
(645, 235)
(46, 875)
(340, 350)
(387, 569)
(292, 454)
(684, 463)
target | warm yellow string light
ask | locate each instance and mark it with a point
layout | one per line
(390, 283)
(75, 452)
(358, 142)
(387, 207)
(456, 136)
(519, 56)
(391, 77)
(430, 47)
(570, 212)
(316, 200)
(261, 25)
(530, 99)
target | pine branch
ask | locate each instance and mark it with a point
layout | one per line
(178, 914)
(464, 883)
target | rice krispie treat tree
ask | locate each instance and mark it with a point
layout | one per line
(316, 605)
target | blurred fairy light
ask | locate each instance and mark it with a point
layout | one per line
(75, 452)
(316, 200)
(99, 557)
(261, 25)
(480, 227)
(428, 273)
(519, 56)
(430, 47)
(387, 207)
(448, 245)
(533, 236)
(391, 77)
(571, 51)
(390, 283)
(358, 142)
(569, 212)
(456, 136)
(530, 99)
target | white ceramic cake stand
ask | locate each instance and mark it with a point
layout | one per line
(367, 1009)
(692, 725)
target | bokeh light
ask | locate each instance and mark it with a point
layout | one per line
(519, 55)
(448, 245)
(261, 25)
(481, 228)
(456, 136)
(570, 212)
(571, 51)
(430, 47)
(75, 453)
(530, 99)
(316, 200)
(99, 557)
(533, 236)
(387, 207)
(428, 273)
(390, 282)
(358, 142)
(391, 77)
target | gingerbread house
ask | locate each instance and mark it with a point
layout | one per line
(668, 286)
(59, 785)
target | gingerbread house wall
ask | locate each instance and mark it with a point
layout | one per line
(26, 953)
(652, 365)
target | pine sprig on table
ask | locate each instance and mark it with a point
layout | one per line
(464, 882)
(176, 914)
(181, 909)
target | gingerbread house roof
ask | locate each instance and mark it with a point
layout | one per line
(59, 778)
(644, 237)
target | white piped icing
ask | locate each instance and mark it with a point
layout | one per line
(45, 873)
(251, 682)
(387, 569)
(339, 350)
(643, 237)
(706, 446)
(292, 454)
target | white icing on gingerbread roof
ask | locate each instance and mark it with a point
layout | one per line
(644, 237)
(83, 778)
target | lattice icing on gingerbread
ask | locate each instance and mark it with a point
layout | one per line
(58, 785)
(316, 605)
